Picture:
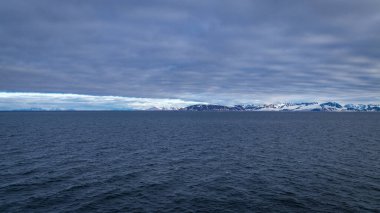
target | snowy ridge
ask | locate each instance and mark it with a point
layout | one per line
(305, 106)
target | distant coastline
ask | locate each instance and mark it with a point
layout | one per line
(285, 107)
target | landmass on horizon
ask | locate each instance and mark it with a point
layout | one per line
(285, 107)
(31, 101)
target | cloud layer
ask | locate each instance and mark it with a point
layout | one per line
(56, 101)
(214, 51)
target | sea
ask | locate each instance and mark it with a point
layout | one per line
(136, 161)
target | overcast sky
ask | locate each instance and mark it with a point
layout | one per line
(211, 51)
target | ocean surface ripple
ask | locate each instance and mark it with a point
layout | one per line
(189, 162)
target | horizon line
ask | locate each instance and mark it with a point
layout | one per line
(16, 101)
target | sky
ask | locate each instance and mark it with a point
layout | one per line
(171, 53)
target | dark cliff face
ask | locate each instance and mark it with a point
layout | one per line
(203, 107)
(331, 104)
(373, 108)
(253, 107)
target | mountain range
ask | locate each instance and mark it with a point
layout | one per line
(305, 106)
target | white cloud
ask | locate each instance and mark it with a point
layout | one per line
(53, 101)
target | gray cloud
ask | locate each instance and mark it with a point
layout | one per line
(213, 51)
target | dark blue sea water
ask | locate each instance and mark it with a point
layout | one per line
(189, 162)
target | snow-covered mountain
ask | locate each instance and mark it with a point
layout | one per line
(164, 109)
(306, 106)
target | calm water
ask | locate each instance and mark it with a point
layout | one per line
(189, 162)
